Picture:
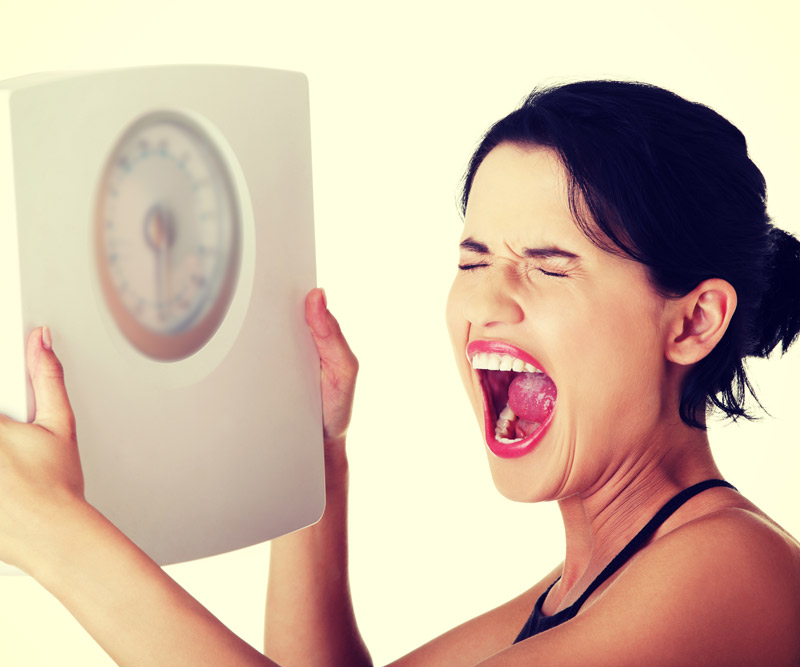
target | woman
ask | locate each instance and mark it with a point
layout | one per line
(617, 265)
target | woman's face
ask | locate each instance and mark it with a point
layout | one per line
(531, 288)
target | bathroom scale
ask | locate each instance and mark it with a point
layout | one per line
(160, 221)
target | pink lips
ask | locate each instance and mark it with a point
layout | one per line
(505, 450)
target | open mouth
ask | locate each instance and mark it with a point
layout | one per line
(518, 397)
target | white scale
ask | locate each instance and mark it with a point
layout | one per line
(160, 222)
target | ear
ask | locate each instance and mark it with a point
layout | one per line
(698, 321)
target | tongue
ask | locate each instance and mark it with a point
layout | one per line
(531, 396)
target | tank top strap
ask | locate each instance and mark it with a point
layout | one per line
(645, 534)
(538, 622)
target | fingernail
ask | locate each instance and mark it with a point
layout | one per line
(47, 341)
(324, 297)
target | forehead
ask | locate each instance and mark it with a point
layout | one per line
(519, 194)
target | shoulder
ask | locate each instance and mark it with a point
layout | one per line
(736, 549)
(729, 583)
(722, 588)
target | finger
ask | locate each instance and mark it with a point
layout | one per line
(53, 410)
(317, 313)
(331, 344)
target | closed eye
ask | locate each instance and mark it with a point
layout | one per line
(480, 265)
(554, 274)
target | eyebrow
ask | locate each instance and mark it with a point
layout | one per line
(545, 252)
(471, 244)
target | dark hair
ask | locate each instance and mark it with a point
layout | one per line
(669, 183)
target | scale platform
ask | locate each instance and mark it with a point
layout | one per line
(160, 222)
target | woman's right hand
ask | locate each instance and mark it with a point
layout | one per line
(40, 469)
(338, 368)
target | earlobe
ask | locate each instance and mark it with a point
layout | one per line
(699, 320)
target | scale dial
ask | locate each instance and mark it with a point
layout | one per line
(167, 236)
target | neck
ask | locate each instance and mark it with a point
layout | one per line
(600, 521)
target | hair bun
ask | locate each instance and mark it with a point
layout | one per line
(779, 314)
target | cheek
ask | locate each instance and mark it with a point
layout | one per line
(457, 324)
(458, 328)
(617, 371)
(453, 310)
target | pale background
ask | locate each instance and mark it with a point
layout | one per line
(400, 93)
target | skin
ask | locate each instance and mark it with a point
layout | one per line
(719, 583)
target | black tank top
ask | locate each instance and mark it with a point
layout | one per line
(538, 622)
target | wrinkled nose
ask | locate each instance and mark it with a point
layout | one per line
(492, 301)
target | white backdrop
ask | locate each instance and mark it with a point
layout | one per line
(400, 93)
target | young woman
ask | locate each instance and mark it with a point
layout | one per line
(617, 266)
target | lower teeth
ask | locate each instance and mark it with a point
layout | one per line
(504, 430)
(510, 429)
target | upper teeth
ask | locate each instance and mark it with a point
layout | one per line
(492, 361)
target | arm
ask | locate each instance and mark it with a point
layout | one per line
(132, 608)
(469, 643)
(124, 600)
(309, 617)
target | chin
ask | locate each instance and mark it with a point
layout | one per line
(531, 478)
(516, 484)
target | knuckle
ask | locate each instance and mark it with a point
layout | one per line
(71, 428)
(56, 369)
(349, 369)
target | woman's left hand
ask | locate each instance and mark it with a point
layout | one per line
(40, 470)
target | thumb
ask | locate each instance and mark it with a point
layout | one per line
(53, 411)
